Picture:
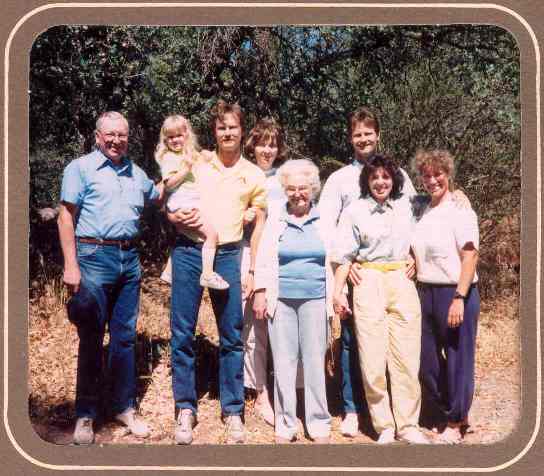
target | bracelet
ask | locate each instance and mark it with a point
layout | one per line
(458, 295)
(252, 272)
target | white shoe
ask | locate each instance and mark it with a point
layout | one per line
(414, 436)
(213, 281)
(387, 437)
(350, 425)
(185, 423)
(236, 432)
(83, 432)
(136, 426)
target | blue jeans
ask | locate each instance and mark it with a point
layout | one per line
(352, 385)
(298, 331)
(113, 276)
(227, 306)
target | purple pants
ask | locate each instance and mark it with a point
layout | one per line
(447, 354)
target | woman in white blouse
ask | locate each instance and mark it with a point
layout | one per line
(446, 246)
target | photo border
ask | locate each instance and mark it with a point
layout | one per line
(9, 209)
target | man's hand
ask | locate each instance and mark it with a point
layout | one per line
(461, 200)
(186, 218)
(456, 312)
(259, 304)
(249, 215)
(341, 306)
(411, 268)
(355, 275)
(72, 278)
(248, 284)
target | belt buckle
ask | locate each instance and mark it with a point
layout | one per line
(125, 245)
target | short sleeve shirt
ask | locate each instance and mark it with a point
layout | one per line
(110, 198)
(227, 192)
(342, 188)
(370, 231)
(440, 234)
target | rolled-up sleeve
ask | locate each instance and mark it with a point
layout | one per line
(73, 186)
(346, 246)
(466, 228)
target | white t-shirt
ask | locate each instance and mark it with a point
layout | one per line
(440, 234)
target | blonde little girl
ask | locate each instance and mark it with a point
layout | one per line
(177, 154)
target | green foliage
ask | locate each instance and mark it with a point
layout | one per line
(433, 86)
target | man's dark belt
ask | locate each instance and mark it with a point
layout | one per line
(122, 244)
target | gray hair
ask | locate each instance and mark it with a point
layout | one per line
(112, 115)
(303, 167)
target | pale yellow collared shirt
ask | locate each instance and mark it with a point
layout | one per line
(227, 192)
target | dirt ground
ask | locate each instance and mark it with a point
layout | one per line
(53, 353)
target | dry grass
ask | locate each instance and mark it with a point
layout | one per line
(53, 353)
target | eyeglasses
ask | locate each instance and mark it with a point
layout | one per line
(301, 189)
(114, 135)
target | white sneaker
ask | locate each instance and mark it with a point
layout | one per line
(236, 432)
(387, 437)
(83, 432)
(213, 281)
(185, 423)
(350, 425)
(136, 425)
(414, 436)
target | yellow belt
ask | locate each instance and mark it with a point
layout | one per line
(384, 266)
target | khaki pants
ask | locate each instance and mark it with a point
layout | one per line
(388, 329)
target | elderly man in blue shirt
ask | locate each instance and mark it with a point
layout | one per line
(102, 197)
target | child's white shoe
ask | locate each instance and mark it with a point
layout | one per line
(213, 281)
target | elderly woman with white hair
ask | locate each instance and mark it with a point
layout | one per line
(292, 277)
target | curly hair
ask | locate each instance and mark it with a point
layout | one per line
(388, 164)
(175, 124)
(435, 159)
(303, 167)
(265, 131)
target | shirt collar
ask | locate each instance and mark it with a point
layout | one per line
(103, 161)
(376, 207)
(312, 215)
(216, 162)
(270, 172)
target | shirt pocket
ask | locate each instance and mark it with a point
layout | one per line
(134, 194)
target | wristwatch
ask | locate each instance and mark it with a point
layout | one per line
(458, 295)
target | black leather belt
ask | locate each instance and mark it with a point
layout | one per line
(122, 244)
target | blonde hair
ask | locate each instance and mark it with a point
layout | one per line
(173, 124)
(303, 167)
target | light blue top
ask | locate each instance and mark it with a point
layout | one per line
(369, 231)
(342, 188)
(301, 255)
(110, 197)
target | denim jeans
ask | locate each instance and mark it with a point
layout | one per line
(353, 396)
(227, 306)
(298, 330)
(112, 275)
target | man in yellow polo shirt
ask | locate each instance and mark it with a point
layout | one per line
(228, 184)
